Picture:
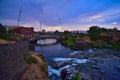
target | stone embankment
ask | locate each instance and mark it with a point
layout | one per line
(12, 63)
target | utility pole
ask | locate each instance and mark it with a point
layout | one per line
(59, 20)
(40, 28)
(20, 11)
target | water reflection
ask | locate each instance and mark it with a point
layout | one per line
(51, 51)
(46, 41)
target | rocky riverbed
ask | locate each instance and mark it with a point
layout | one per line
(93, 64)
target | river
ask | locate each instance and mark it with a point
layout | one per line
(53, 50)
(107, 60)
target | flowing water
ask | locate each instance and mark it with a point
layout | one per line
(52, 51)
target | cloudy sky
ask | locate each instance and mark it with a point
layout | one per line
(55, 14)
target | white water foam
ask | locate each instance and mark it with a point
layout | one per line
(76, 52)
(55, 71)
(71, 59)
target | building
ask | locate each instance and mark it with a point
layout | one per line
(2, 29)
(43, 31)
(25, 31)
(10, 27)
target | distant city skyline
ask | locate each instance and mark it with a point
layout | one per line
(55, 14)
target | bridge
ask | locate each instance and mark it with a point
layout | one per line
(38, 37)
(48, 36)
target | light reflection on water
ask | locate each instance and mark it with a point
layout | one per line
(46, 41)
(51, 51)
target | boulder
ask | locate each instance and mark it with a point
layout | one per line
(59, 64)
(81, 45)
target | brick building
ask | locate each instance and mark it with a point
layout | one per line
(25, 31)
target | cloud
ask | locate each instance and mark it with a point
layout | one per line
(73, 14)
(114, 23)
(96, 18)
(103, 16)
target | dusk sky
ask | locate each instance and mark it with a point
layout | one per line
(73, 14)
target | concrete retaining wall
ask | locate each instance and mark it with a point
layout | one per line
(12, 63)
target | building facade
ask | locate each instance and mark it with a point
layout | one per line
(25, 31)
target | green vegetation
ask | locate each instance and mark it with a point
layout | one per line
(70, 42)
(77, 77)
(5, 36)
(94, 32)
(30, 59)
(82, 35)
(10, 31)
(112, 46)
(3, 33)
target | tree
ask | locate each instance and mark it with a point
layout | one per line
(115, 29)
(10, 31)
(94, 32)
(104, 29)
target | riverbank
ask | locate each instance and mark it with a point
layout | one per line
(38, 71)
(13, 65)
(90, 64)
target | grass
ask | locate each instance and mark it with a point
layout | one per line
(76, 77)
(70, 42)
(30, 59)
(2, 41)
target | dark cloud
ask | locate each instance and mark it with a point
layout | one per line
(71, 12)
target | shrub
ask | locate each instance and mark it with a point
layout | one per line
(94, 32)
(4, 36)
(30, 59)
(34, 60)
(116, 47)
(70, 42)
(76, 77)
(10, 31)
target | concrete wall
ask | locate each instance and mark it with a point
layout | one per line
(12, 63)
